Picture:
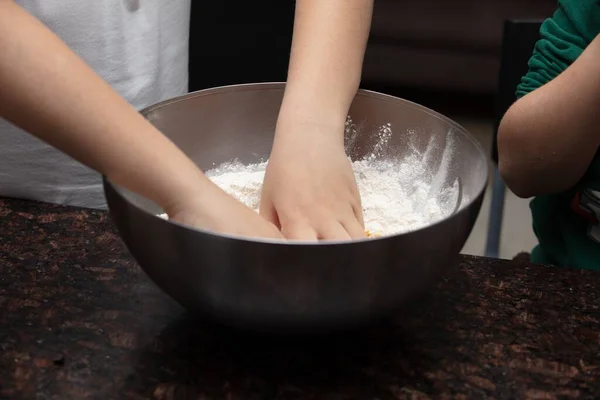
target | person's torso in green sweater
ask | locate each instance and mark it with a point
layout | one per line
(567, 224)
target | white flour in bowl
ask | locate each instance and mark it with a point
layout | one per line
(397, 195)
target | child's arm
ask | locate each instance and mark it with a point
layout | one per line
(309, 186)
(328, 48)
(49, 91)
(549, 137)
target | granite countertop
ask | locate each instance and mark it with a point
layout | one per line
(79, 320)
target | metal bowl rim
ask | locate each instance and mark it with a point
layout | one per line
(304, 243)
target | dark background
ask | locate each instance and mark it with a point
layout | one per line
(444, 56)
(233, 41)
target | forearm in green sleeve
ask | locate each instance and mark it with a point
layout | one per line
(559, 46)
(549, 137)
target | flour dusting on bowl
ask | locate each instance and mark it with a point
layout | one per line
(397, 195)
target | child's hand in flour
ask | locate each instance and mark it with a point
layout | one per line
(309, 190)
(215, 210)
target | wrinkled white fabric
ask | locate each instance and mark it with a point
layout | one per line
(140, 47)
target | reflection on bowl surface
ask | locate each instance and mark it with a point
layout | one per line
(269, 285)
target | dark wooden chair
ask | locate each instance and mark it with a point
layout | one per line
(518, 42)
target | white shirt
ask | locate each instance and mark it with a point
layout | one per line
(140, 47)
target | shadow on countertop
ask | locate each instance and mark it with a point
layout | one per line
(195, 357)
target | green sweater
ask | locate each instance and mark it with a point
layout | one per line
(566, 224)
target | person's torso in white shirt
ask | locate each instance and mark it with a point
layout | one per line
(140, 47)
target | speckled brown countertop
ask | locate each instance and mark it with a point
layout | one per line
(79, 320)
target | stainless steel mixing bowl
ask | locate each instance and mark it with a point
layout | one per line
(268, 285)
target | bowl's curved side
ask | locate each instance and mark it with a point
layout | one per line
(261, 284)
(266, 286)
